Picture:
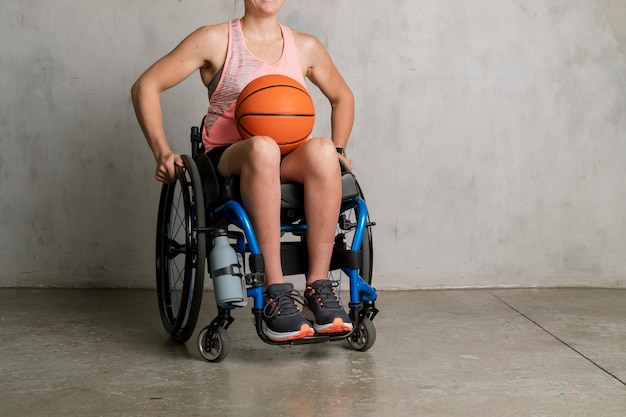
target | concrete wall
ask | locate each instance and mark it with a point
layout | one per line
(490, 136)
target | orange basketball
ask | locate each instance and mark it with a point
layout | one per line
(276, 106)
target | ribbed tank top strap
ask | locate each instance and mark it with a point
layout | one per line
(289, 62)
(240, 67)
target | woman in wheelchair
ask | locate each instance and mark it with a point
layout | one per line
(228, 56)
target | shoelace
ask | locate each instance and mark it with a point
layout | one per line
(285, 303)
(326, 295)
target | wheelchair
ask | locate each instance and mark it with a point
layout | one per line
(201, 204)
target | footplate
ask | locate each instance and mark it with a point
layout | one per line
(258, 321)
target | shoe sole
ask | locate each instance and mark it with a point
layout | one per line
(336, 327)
(305, 331)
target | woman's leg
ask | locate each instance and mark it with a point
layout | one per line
(315, 164)
(257, 162)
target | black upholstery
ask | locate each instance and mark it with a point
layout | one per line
(217, 189)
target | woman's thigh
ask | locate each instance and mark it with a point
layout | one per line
(317, 157)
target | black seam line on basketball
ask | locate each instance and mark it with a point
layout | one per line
(297, 141)
(268, 87)
(246, 130)
(286, 143)
(278, 115)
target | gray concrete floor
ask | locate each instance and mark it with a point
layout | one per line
(544, 352)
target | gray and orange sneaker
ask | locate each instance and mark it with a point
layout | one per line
(282, 319)
(330, 317)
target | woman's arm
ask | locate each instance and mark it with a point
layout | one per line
(320, 69)
(196, 51)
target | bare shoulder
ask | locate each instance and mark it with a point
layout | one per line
(210, 37)
(307, 43)
(311, 52)
(208, 45)
(213, 31)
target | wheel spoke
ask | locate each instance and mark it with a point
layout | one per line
(178, 222)
(176, 279)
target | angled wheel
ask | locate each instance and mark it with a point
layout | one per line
(181, 252)
(213, 346)
(363, 336)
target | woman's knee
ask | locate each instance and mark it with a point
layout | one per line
(258, 153)
(321, 155)
(319, 149)
(264, 147)
(263, 152)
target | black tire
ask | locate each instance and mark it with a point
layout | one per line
(364, 335)
(215, 348)
(181, 252)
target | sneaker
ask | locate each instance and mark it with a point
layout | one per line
(322, 300)
(281, 317)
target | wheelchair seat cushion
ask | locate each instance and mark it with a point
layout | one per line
(210, 178)
(349, 186)
(217, 188)
(292, 194)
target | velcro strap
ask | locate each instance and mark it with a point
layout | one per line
(228, 270)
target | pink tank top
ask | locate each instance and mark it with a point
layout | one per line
(241, 67)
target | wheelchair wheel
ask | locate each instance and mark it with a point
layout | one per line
(215, 347)
(345, 232)
(363, 336)
(181, 252)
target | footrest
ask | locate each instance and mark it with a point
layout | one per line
(318, 338)
(307, 340)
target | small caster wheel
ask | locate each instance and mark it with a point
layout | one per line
(216, 347)
(363, 336)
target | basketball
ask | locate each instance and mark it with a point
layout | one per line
(276, 106)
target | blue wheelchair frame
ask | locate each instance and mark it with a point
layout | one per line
(360, 291)
(221, 213)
